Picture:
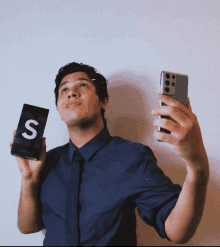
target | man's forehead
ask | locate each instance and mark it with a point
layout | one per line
(76, 75)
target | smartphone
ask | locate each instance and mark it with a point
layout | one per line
(28, 138)
(174, 85)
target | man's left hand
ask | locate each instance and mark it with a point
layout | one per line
(185, 135)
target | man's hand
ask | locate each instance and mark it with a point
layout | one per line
(31, 169)
(185, 135)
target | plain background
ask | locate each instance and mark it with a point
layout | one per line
(130, 42)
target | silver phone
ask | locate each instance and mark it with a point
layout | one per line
(174, 85)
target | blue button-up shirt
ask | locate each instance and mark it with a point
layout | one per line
(118, 176)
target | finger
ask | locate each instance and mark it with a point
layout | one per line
(175, 113)
(169, 138)
(188, 104)
(172, 102)
(167, 124)
(13, 137)
(43, 143)
(14, 133)
(43, 149)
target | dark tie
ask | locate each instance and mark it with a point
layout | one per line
(72, 209)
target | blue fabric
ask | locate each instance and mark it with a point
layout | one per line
(117, 176)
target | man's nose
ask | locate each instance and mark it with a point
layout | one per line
(73, 93)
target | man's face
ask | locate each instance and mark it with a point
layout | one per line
(77, 101)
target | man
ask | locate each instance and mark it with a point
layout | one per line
(119, 175)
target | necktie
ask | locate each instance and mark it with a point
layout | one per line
(72, 209)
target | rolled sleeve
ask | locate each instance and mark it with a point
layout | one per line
(155, 194)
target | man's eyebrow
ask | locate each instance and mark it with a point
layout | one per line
(78, 79)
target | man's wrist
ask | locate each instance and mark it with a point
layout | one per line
(197, 173)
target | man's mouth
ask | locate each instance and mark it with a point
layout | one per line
(73, 104)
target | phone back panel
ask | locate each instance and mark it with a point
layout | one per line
(174, 85)
(178, 87)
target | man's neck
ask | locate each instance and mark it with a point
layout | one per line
(80, 137)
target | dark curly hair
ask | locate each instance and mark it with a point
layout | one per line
(98, 80)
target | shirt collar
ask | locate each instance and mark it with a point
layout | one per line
(88, 149)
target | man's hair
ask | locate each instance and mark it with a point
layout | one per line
(98, 80)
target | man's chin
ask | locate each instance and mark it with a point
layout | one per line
(80, 123)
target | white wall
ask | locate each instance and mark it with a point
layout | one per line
(130, 42)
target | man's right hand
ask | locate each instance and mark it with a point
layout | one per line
(31, 169)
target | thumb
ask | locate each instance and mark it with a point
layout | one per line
(188, 104)
(43, 142)
(43, 149)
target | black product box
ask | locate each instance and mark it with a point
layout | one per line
(28, 138)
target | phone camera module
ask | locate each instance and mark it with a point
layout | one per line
(167, 82)
(167, 90)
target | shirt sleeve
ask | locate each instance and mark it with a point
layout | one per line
(154, 193)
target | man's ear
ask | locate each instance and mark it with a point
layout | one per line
(105, 102)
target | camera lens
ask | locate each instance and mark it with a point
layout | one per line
(167, 82)
(173, 76)
(167, 90)
(173, 84)
(168, 76)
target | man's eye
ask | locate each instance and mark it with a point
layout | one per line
(84, 84)
(64, 89)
